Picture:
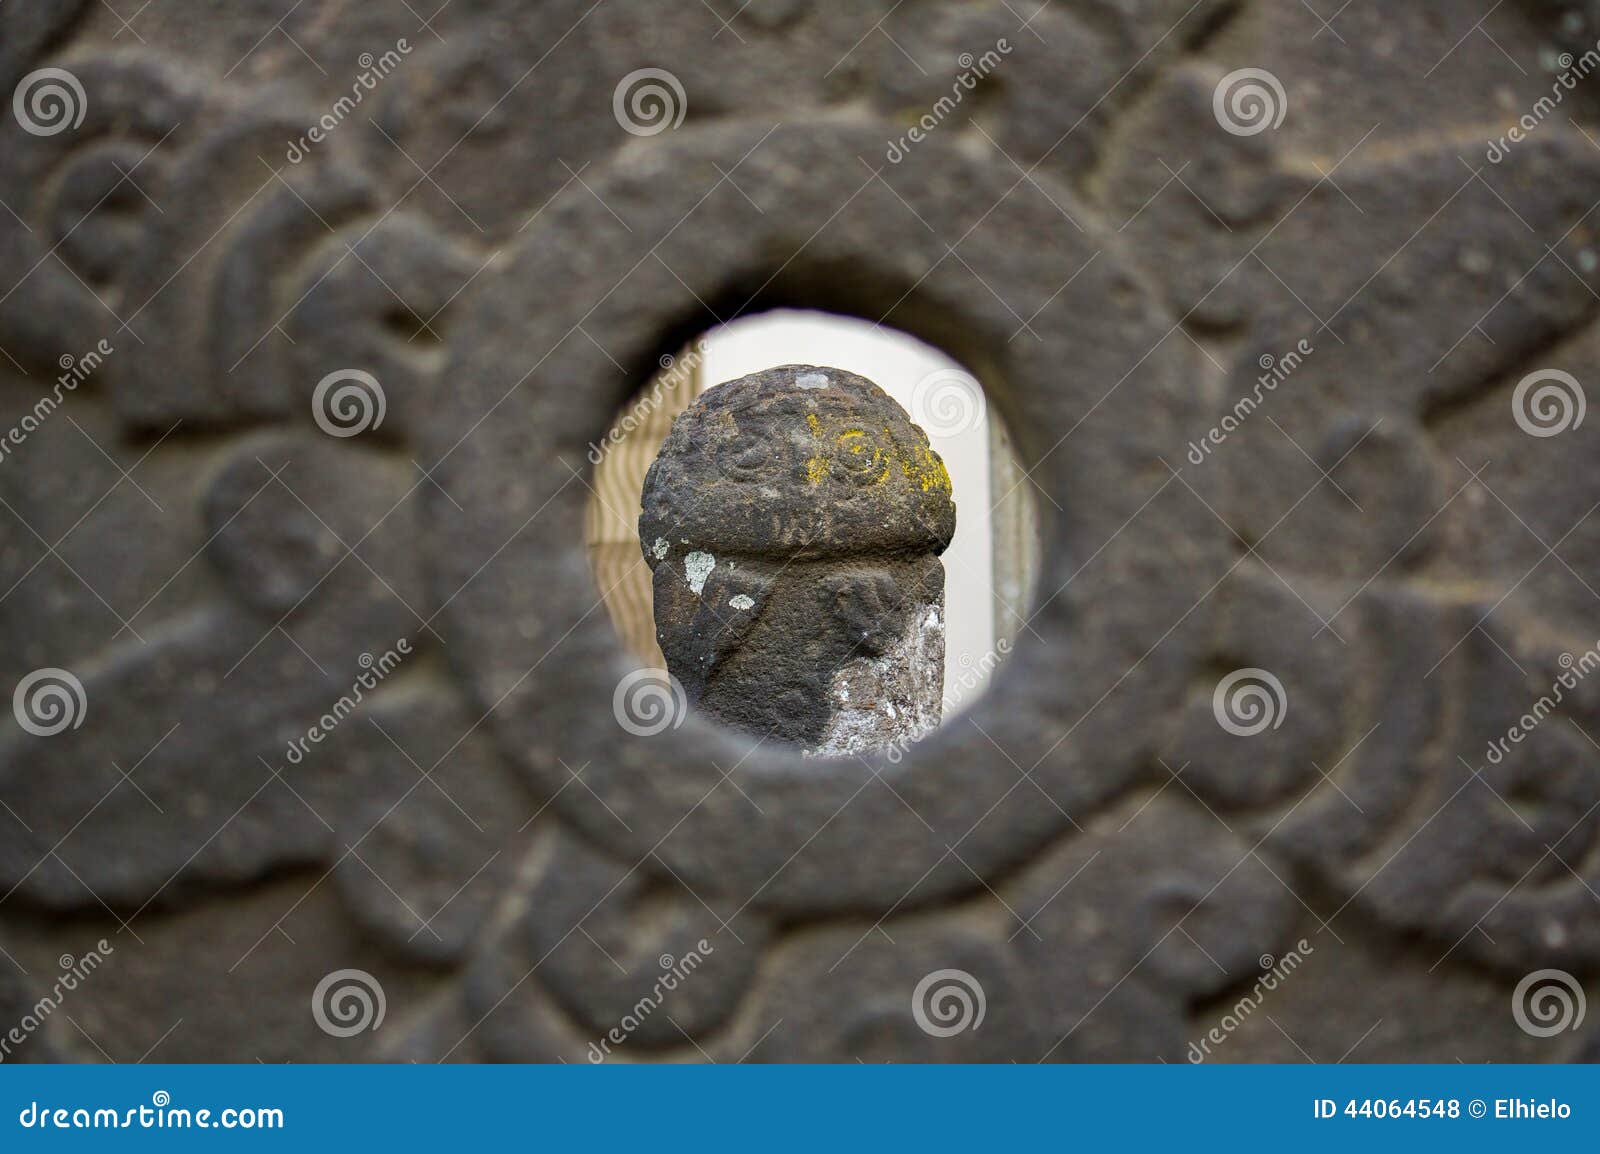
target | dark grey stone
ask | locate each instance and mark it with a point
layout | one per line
(793, 521)
(1087, 847)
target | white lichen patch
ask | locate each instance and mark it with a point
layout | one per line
(660, 548)
(697, 567)
(895, 697)
(742, 601)
(812, 381)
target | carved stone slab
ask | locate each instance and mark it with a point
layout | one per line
(321, 747)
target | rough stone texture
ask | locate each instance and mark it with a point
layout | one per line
(1087, 844)
(793, 521)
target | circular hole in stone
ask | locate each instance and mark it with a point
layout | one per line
(988, 565)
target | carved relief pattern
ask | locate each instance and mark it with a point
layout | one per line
(220, 571)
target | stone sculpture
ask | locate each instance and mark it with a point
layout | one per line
(794, 521)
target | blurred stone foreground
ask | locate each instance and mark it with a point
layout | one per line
(793, 520)
(322, 745)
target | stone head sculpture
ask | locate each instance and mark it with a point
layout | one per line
(794, 520)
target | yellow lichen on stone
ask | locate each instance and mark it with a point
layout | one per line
(924, 469)
(856, 441)
(921, 465)
(934, 475)
(816, 464)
